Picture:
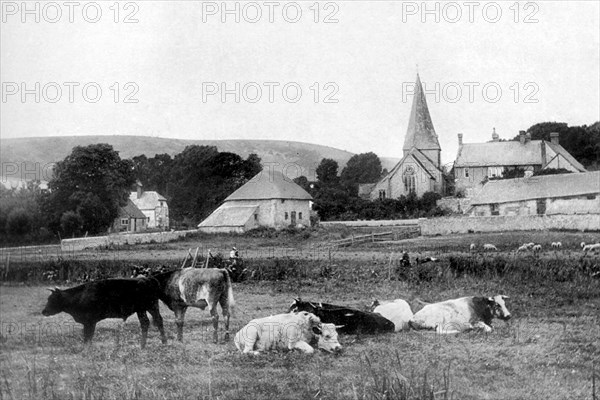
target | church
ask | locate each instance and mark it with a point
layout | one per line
(420, 169)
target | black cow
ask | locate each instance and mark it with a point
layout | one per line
(352, 320)
(109, 298)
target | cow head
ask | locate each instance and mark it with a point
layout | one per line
(54, 304)
(327, 338)
(299, 305)
(498, 307)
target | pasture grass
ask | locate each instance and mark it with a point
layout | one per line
(549, 350)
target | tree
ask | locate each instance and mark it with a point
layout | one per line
(71, 223)
(93, 181)
(327, 172)
(18, 222)
(361, 168)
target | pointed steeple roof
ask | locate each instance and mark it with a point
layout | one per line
(420, 132)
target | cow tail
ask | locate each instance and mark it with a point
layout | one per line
(230, 299)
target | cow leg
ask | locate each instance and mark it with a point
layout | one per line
(179, 316)
(225, 310)
(145, 324)
(215, 319)
(88, 331)
(302, 346)
(158, 321)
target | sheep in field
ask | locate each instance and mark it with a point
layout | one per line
(489, 247)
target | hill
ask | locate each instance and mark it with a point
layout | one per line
(281, 154)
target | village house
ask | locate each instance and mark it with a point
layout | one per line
(130, 219)
(420, 169)
(574, 193)
(269, 199)
(153, 205)
(477, 162)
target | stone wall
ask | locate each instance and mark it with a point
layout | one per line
(121, 239)
(394, 222)
(450, 225)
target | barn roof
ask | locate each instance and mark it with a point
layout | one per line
(420, 133)
(538, 187)
(130, 210)
(147, 201)
(269, 185)
(233, 216)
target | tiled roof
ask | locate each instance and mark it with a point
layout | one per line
(420, 133)
(131, 211)
(148, 201)
(270, 185)
(499, 154)
(538, 187)
(229, 216)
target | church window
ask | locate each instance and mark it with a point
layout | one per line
(410, 184)
(381, 194)
(466, 172)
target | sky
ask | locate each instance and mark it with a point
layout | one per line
(337, 73)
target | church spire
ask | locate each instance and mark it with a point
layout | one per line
(420, 132)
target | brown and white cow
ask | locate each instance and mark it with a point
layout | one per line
(398, 311)
(459, 315)
(287, 331)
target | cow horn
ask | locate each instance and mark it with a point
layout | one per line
(504, 297)
(339, 326)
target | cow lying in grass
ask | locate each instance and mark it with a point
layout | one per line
(459, 315)
(350, 320)
(398, 311)
(109, 298)
(287, 331)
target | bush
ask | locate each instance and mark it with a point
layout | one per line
(71, 223)
(18, 222)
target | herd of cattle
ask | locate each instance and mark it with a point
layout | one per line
(304, 324)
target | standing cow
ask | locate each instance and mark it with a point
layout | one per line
(109, 298)
(349, 320)
(287, 331)
(197, 287)
(463, 314)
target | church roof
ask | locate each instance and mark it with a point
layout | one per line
(270, 185)
(424, 161)
(420, 133)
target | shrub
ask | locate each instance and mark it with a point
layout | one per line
(18, 222)
(71, 223)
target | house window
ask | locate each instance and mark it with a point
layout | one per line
(410, 184)
(541, 206)
(256, 217)
(495, 172)
(466, 172)
(147, 219)
(299, 215)
(495, 208)
(590, 197)
(124, 221)
(381, 194)
(286, 216)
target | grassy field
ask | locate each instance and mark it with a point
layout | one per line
(549, 350)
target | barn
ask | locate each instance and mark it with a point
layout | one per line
(575, 193)
(269, 199)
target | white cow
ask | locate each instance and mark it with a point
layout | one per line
(287, 331)
(398, 311)
(463, 314)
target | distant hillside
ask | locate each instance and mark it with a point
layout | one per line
(45, 150)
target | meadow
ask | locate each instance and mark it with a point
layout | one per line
(549, 350)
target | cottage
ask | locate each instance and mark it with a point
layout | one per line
(269, 199)
(419, 170)
(153, 205)
(575, 193)
(130, 219)
(477, 162)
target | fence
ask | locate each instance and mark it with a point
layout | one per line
(393, 235)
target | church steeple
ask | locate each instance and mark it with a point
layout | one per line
(421, 133)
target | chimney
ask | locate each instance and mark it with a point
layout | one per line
(522, 137)
(495, 136)
(460, 139)
(554, 137)
(528, 137)
(138, 185)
